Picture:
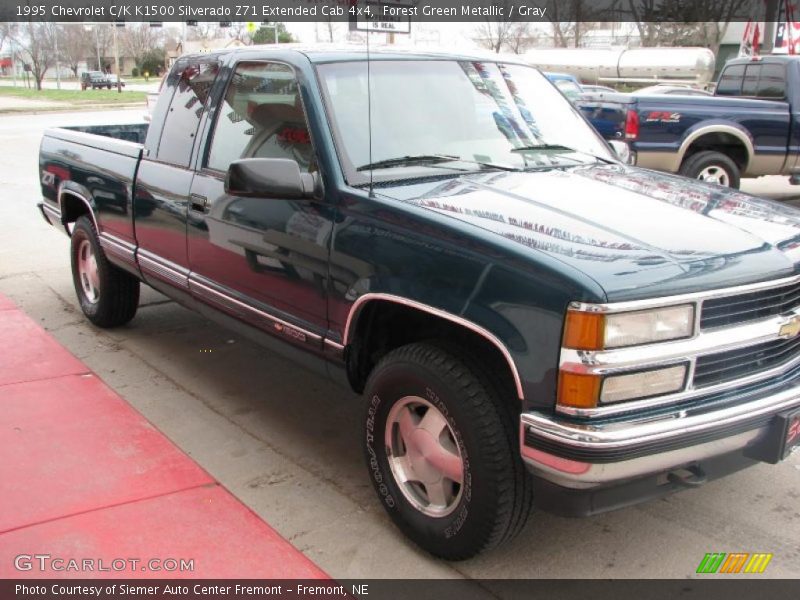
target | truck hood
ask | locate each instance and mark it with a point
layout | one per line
(636, 232)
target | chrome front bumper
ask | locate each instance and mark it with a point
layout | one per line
(583, 455)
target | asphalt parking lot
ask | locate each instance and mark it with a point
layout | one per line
(285, 442)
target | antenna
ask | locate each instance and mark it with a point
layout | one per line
(369, 107)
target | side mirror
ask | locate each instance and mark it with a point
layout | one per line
(622, 151)
(269, 178)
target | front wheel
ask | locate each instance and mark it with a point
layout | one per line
(108, 295)
(442, 452)
(712, 167)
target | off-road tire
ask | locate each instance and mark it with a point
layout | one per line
(496, 495)
(118, 296)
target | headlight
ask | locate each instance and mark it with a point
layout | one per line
(643, 384)
(597, 331)
(580, 390)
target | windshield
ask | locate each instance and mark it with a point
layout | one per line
(477, 111)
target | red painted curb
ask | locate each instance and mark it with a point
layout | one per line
(85, 476)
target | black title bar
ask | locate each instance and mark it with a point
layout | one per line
(388, 10)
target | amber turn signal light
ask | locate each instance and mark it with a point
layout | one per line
(584, 330)
(578, 390)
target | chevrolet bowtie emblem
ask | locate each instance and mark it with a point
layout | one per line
(791, 328)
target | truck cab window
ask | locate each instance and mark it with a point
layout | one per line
(730, 84)
(192, 83)
(261, 116)
(772, 83)
(750, 81)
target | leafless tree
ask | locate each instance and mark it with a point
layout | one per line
(495, 35)
(686, 22)
(329, 29)
(203, 31)
(75, 45)
(499, 36)
(238, 31)
(6, 32)
(36, 47)
(572, 19)
(138, 40)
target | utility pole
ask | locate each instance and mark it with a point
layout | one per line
(772, 12)
(97, 47)
(116, 60)
(13, 62)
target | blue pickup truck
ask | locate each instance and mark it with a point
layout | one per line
(748, 128)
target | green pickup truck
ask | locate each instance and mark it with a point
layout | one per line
(529, 319)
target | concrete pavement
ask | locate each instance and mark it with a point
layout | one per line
(285, 442)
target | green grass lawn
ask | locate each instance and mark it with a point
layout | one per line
(76, 97)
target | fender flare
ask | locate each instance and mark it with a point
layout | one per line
(737, 132)
(64, 191)
(365, 299)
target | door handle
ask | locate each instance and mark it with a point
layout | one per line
(198, 203)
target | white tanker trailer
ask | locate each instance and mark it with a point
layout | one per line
(637, 65)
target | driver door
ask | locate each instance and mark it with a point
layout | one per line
(263, 260)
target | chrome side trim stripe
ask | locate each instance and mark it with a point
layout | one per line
(275, 324)
(53, 212)
(118, 248)
(152, 264)
(490, 337)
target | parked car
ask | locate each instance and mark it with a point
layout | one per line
(590, 88)
(567, 84)
(600, 108)
(671, 89)
(746, 129)
(527, 318)
(95, 80)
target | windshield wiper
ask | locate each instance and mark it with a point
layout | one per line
(432, 160)
(402, 161)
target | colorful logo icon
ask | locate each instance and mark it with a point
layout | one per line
(734, 562)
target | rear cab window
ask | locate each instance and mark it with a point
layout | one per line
(189, 83)
(753, 80)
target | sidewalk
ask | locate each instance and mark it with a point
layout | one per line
(86, 477)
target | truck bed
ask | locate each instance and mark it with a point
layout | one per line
(95, 165)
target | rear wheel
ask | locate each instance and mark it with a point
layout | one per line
(108, 295)
(442, 452)
(712, 167)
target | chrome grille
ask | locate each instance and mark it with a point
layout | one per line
(732, 310)
(722, 367)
